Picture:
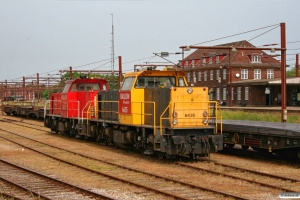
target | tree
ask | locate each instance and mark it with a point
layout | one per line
(291, 72)
(112, 80)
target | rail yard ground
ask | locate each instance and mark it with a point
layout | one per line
(169, 168)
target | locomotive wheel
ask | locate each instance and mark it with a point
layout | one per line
(161, 155)
(106, 141)
(245, 147)
(230, 145)
(192, 156)
(99, 139)
(67, 133)
(168, 156)
(73, 133)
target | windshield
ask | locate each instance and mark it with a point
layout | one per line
(155, 81)
(84, 87)
(127, 84)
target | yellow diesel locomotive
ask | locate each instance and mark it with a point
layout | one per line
(154, 111)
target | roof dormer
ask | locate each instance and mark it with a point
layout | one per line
(255, 58)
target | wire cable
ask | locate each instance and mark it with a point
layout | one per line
(236, 34)
(32, 75)
(263, 33)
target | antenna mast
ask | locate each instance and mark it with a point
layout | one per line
(112, 45)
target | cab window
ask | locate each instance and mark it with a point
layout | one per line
(155, 81)
(84, 87)
(74, 87)
(181, 82)
(66, 88)
(127, 84)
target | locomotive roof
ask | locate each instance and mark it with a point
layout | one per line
(86, 80)
(156, 73)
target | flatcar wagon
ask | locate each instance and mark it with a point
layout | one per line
(266, 138)
(155, 112)
(28, 111)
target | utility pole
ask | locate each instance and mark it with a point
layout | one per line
(297, 65)
(283, 73)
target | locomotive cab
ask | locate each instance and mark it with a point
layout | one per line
(75, 102)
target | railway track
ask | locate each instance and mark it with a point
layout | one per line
(245, 179)
(175, 188)
(10, 191)
(28, 184)
(190, 185)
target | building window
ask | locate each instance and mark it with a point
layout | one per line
(224, 74)
(218, 74)
(244, 73)
(246, 93)
(270, 73)
(210, 60)
(256, 58)
(186, 63)
(257, 74)
(199, 76)
(203, 60)
(218, 94)
(211, 96)
(211, 75)
(239, 93)
(205, 76)
(188, 77)
(217, 59)
(194, 77)
(224, 94)
(232, 93)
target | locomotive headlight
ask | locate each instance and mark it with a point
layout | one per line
(189, 90)
(174, 114)
(205, 121)
(174, 122)
(204, 113)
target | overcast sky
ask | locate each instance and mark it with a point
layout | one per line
(47, 36)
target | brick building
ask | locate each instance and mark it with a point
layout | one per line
(255, 76)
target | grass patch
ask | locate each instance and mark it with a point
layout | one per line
(258, 116)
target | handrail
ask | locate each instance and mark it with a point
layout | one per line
(82, 111)
(45, 108)
(108, 111)
(144, 114)
(77, 107)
